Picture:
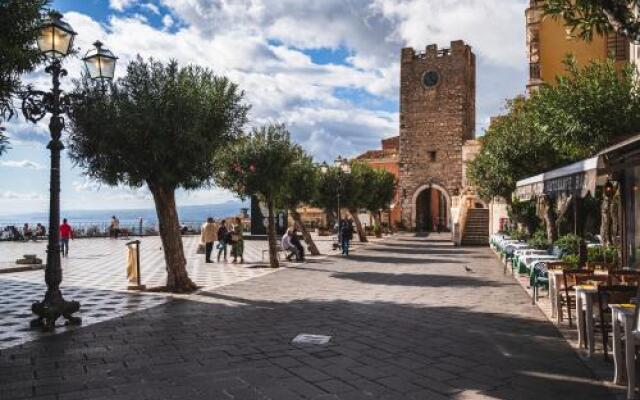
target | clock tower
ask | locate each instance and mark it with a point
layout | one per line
(437, 116)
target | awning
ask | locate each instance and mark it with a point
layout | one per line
(575, 179)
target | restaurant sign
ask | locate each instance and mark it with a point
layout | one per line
(575, 184)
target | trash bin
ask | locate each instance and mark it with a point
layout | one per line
(133, 266)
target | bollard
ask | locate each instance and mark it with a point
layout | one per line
(133, 266)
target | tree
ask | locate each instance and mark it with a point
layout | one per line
(588, 109)
(160, 125)
(512, 149)
(585, 111)
(380, 193)
(302, 185)
(331, 186)
(260, 165)
(19, 20)
(356, 189)
(586, 17)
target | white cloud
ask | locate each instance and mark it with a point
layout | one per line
(11, 195)
(167, 21)
(261, 45)
(111, 192)
(28, 164)
(120, 5)
(151, 8)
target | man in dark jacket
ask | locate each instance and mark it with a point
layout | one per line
(346, 234)
(295, 241)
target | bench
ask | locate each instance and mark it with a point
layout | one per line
(279, 251)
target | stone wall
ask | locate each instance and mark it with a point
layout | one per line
(437, 115)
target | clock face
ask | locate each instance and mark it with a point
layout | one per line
(430, 78)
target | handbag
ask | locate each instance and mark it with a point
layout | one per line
(200, 249)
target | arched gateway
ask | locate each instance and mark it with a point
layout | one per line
(431, 209)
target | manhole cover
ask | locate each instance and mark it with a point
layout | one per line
(305, 338)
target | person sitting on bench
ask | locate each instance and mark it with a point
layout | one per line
(287, 246)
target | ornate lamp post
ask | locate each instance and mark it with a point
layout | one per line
(344, 168)
(55, 41)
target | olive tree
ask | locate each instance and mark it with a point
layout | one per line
(301, 187)
(160, 125)
(260, 165)
(588, 17)
(19, 22)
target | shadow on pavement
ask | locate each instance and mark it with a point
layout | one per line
(400, 260)
(379, 350)
(390, 279)
(421, 250)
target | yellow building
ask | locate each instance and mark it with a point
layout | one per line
(548, 43)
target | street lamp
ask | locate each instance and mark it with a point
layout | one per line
(343, 169)
(100, 63)
(324, 168)
(55, 41)
(55, 37)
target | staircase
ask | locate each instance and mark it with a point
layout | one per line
(476, 229)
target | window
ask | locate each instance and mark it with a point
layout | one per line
(617, 47)
(432, 156)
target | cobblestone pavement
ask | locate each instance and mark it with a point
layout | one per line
(407, 322)
(94, 274)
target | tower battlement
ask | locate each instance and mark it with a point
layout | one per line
(457, 48)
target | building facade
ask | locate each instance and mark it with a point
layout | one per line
(549, 42)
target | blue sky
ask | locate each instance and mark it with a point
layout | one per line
(328, 69)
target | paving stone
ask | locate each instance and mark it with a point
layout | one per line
(407, 321)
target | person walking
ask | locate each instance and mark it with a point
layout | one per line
(237, 240)
(66, 233)
(115, 227)
(346, 233)
(222, 240)
(208, 235)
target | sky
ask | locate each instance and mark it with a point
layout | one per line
(328, 69)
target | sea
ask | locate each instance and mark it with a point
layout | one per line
(189, 215)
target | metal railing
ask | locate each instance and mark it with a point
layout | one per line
(91, 229)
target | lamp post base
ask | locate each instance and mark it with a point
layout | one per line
(51, 308)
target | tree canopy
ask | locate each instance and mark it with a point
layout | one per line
(260, 165)
(19, 20)
(584, 111)
(160, 125)
(588, 17)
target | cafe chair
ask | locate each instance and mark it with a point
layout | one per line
(625, 277)
(618, 294)
(572, 278)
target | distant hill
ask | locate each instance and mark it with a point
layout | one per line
(187, 214)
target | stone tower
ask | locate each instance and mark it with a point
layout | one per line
(437, 116)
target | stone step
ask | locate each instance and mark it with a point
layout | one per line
(476, 230)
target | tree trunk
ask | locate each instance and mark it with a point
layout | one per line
(605, 225)
(550, 220)
(361, 234)
(178, 280)
(313, 249)
(378, 221)
(271, 234)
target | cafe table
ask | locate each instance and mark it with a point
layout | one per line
(622, 321)
(585, 295)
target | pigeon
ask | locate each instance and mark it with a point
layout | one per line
(466, 268)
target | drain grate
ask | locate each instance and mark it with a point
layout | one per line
(306, 338)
